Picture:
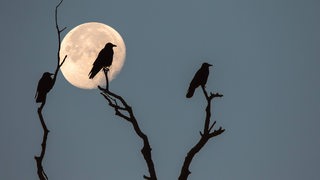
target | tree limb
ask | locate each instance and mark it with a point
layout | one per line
(59, 31)
(112, 99)
(40, 171)
(205, 136)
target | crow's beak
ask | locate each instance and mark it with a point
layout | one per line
(210, 64)
(114, 45)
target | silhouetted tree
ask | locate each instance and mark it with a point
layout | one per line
(123, 110)
(45, 84)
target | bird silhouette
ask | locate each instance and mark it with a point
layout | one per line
(104, 60)
(44, 86)
(199, 79)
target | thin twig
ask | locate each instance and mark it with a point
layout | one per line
(212, 126)
(59, 43)
(65, 57)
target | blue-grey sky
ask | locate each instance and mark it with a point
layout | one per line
(266, 62)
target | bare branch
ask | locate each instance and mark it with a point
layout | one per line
(216, 132)
(62, 29)
(212, 126)
(112, 99)
(205, 93)
(213, 95)
(40, 171)
(204, 137)
(112, 104)
(208, 116)
(59, 4)
(59, 44)
(65, 57)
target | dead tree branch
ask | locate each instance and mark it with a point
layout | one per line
(206, 135)
(59, 31)
(40, 171)
(125, 111)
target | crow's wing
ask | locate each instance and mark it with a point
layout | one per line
(44, 86)
(200, 78)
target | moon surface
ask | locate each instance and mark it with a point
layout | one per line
(82, 45)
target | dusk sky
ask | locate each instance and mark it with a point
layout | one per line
(266, 63)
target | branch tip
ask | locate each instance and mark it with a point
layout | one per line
(64, 59)
(59, 4)
(102, 89)
(60, 31)
(212, 125)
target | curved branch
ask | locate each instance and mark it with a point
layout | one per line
(112, 99)
(205, 136)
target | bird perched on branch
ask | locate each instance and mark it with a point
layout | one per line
(199, 79)
(44, 86)
(104, 60)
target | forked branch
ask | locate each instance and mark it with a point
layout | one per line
(123, 110)
(59, 31)
(206, 135)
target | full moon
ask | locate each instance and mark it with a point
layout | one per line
(82, 45)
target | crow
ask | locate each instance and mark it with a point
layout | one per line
(104, 60)
(44, 86)
(199, 79)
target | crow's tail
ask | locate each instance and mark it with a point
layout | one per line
(41, 96)
(190, 92)
(94, 71)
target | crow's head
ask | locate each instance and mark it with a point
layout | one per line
(110, 45)
(206, 65)
(47, 74)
